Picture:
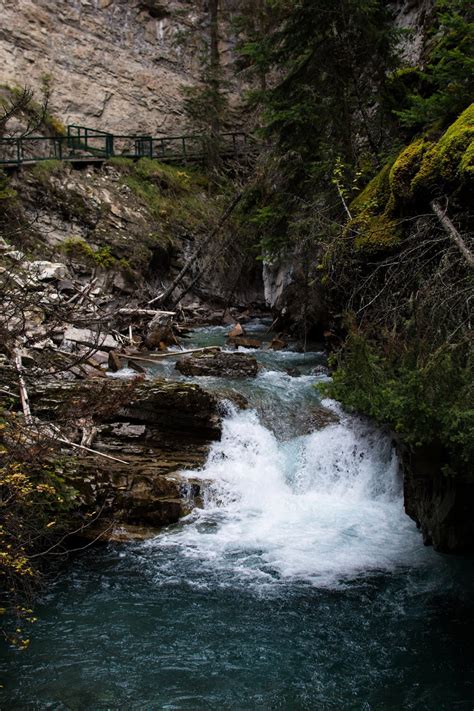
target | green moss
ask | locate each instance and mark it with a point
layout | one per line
(374, 196)
(374, 228)
(446, 163)
(45, 168)
(374, 233)
(121, 162)
(402, 172)
(166, 177)
(419, 172)
(466, 168)
(78, 248)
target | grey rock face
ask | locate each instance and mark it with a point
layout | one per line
(114, 64)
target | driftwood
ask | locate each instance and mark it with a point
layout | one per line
(81, 294)
(25, 402)
(155, 299)
(153, 358)
(144, 312)
(56, 435)
(10, 394)
(88, 449)
(452, 232)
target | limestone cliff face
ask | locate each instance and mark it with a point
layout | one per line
(413, 16)
(114, 64)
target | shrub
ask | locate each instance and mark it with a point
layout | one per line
(425, 400)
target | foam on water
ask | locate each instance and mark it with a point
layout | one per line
(323, 508)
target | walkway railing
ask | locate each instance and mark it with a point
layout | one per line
(84, 144)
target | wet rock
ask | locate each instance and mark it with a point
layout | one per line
(114, 362)
(221, 365)
(320, 370)
(440, 505)
(161, 333)
(236, 331)
(244, 342)
(234, 397)
(137, 367)
(278, 344)
(320, 417)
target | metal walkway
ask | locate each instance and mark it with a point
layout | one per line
(88, 145)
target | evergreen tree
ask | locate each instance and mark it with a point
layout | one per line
(335, 58)
(445, 86)
(206, 105)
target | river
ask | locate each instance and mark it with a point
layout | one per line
(301, 584)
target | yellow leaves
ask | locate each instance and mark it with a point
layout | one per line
(50, 524)
(13, 563)
(46, 489)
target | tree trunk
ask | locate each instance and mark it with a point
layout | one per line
(214, 85)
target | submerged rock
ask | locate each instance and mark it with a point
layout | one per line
(221, 365)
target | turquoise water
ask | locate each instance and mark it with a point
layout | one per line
(301, 584)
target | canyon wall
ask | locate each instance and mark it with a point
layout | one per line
(113, 64)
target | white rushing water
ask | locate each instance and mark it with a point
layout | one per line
(322, 508)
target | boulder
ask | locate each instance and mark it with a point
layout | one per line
(221, 365)
(160, 333)
(114, 362)
(47, 271)
(236, 331)
(278, 344)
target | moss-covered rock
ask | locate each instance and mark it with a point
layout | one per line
(374, 233)
(372, 226)
(374, 197)
(406, 166)
(448, 163)
(419, 172)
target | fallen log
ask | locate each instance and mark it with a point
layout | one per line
(153, 358)
(143, 312)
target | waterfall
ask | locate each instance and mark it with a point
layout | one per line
(323, 508)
